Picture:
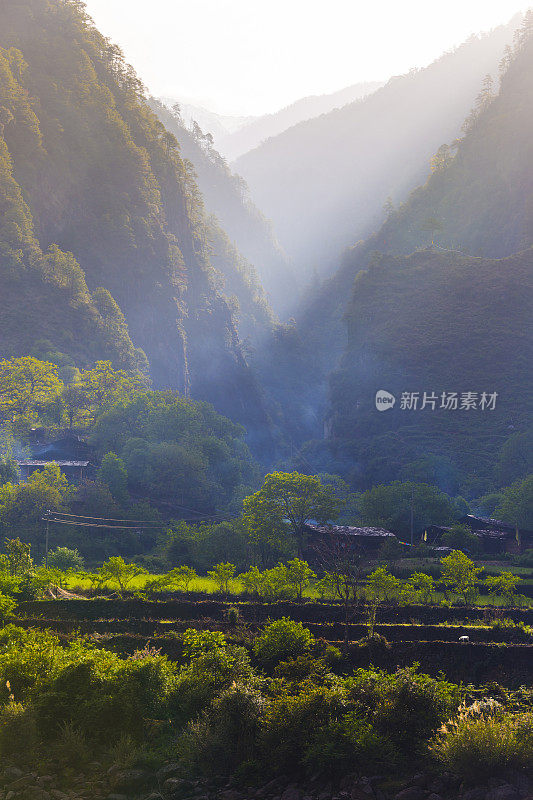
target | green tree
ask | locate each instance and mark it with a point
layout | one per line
(65, 559)
(288, 501)
(389, 506)
(515, 459)
(105, 387)
(382, 586)
(19, 560)
(117, 570)
(180, 577)
(460, 537)
(113, 474)
(25, 383)
(423, 585)
(223, 574)
(76, 402)
(24, 504)
(503, 585)
(7, 606)
(516, 506)
(460, 574)
(298, 575)
(9, 471)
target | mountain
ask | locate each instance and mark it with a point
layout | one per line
(324, 182)
(47, 287)
(454, 315)
(226, 198)
(89, 170)
(218, 125)
(434, 323)
(248, 136)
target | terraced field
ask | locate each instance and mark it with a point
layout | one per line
(428, 635)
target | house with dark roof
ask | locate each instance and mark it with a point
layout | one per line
(494, 535)
(69, 451)
(367, 540)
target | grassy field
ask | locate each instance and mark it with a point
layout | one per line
(208, 585)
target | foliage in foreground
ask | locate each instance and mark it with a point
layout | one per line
(217, 713)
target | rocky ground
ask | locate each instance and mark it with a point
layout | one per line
(165, 784)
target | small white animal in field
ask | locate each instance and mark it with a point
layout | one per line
(464, 639)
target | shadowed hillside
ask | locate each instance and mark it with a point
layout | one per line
(103, 179)
(478, 199)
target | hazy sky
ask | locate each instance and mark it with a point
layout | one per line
(255, 56)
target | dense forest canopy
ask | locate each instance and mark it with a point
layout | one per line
(90, 170)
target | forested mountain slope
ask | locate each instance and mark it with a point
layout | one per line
(103, 179)
(467, 312)
(251, 135)
(434, 323)
(324, 182)
(226, 197)
(44, 295)
(439, 320)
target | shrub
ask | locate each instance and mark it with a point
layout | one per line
(233, 616)
(291, 724)
(296, 670)
(225, 735)
(18, 732)
(481, 743)
(405, 706)
(374, 643)
(282, 639)
(348, 744)
(71, 747)
(213, 667)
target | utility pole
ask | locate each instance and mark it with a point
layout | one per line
(47, 539)
(412, 517)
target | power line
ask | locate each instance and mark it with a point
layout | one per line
(143, 522)
(97, 525)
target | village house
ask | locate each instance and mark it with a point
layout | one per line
(494, 535)
(367, 540)
(69, 451)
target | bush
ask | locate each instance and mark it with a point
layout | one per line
(405, 706)
(291, 724)
(480, 743)
(349, 744)
(7, 605)
(18, 732)
(213, 667)
(225, 735)
(282, 639)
